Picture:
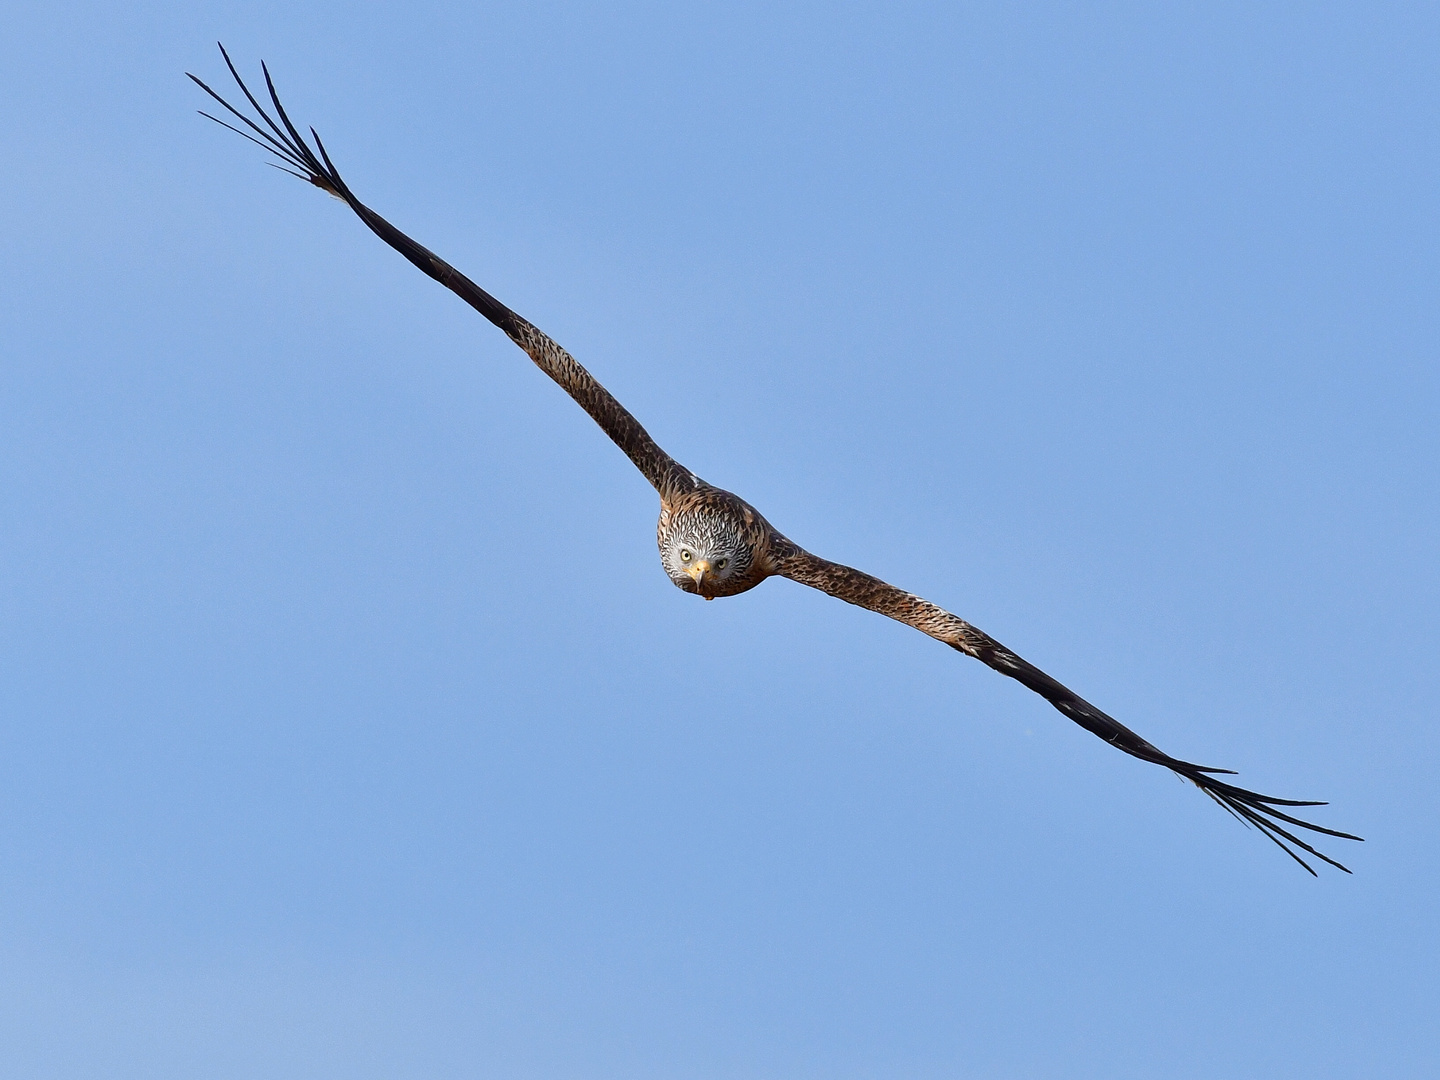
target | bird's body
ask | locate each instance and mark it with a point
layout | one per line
(713, 543)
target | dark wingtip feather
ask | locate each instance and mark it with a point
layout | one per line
(285, 142)
(1262, 811)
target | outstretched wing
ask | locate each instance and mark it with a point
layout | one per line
(859, 588)
(286, 143)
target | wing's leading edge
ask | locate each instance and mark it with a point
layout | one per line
(856, 587)
(296, 157)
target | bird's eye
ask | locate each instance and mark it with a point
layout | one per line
(685, 555)
(721, 563)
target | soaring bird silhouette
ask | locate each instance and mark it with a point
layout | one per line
(713, 543)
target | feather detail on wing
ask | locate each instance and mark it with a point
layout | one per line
(855, 587)
(285, 142)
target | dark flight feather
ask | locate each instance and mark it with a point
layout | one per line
(286, 143)
(864, 590)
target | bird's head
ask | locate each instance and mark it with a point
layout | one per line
(708, 555)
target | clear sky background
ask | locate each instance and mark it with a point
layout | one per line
(349, 727)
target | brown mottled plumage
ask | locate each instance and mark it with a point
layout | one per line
(713, 543)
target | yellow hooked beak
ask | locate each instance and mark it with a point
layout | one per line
(697, 570)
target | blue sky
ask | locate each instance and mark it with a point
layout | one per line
(349, 727)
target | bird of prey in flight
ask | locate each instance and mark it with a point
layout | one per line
(713, 543)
